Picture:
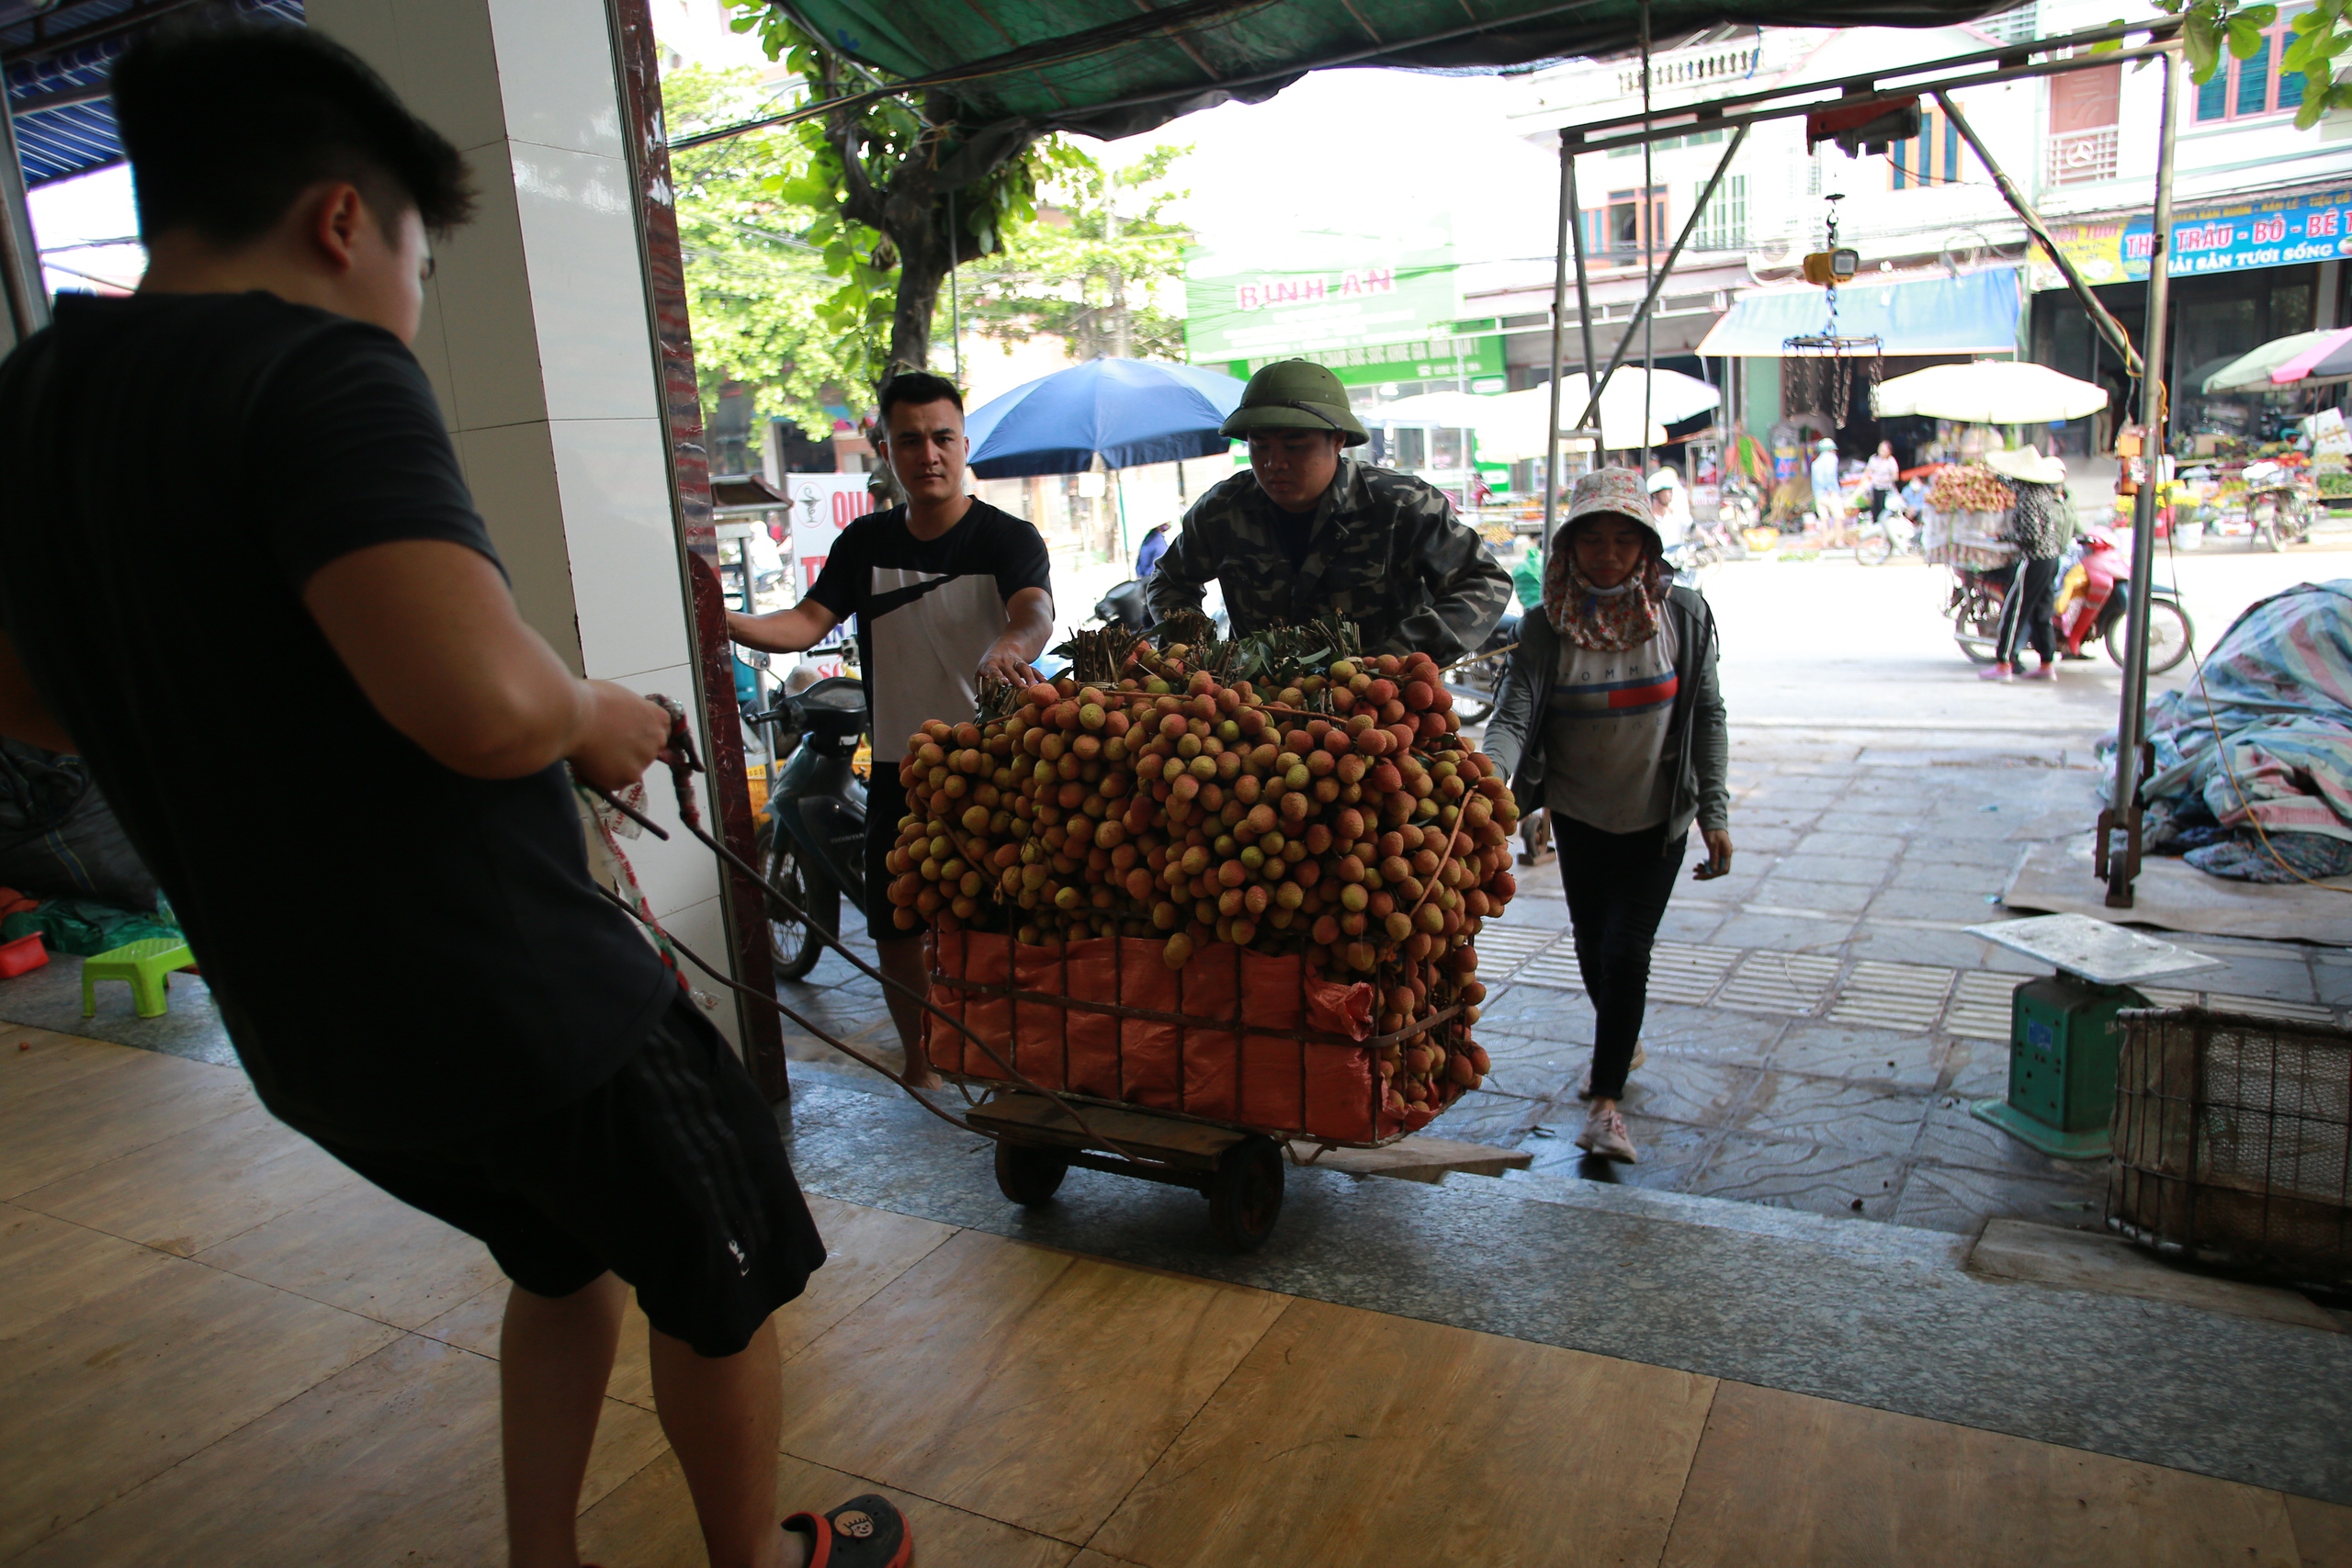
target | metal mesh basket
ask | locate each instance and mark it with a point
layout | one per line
(2234, 1140)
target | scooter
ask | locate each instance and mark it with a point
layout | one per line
(1888, 535)
(2278, 508)
(2094, 596)
(812, 847)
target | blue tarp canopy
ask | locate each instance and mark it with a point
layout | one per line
(1976, 314)
(59, 61)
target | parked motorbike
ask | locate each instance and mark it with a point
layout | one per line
(812, 847)
(1890, 534)
(1126, 605)
(2277, 506)
(2094, 593)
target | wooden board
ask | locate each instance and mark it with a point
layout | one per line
(2085, 1260)
(1031, 1385)
(1787, 1481)
(1351, 1437)
(2323, 1531)
(1417, 1160)
(361, 1249)
(77, 1119)
(1193, 1143)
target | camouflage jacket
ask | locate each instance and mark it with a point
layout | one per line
(1386, 552)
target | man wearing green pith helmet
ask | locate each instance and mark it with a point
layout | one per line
(1311, 531)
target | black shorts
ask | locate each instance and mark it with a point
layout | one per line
(671, 1173)
(886, 803)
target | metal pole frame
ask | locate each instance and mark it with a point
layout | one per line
(2101, 317)
(2118, 824)
(1658, 284)
(21, 270)
(1559, 322)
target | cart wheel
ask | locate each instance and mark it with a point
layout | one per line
(1027, 1174)
(1246, 1193)
(1876, 549)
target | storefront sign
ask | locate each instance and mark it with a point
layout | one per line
(2271, 231)
(1471, 359)
(1359, 298)
(822, 506)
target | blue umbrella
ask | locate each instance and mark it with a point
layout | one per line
(1126, 412)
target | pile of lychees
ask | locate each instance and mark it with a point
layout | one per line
(1337, 814)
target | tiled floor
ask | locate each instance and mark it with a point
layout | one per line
(212, 1354)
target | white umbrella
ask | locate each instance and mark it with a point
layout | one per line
(1990, 391)
(1511, 427)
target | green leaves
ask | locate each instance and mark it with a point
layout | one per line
(2111, 45)
(2200, 41)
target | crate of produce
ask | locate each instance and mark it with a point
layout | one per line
(2232, 1140)
(1237, 883)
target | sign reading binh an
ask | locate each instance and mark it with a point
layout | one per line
(2281, 230)
(1235, 310)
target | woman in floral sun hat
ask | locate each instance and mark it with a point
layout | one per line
(1610, 716)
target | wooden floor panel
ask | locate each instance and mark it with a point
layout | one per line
(2323, 1532)
(126, 1383)
(50, 1266)
(361, 1249)
(1031, 1385)
(1348, 1438)
(648, 1522)
(1784, 1481)
(393, 1460)
(126, 1101)
(198, 1188)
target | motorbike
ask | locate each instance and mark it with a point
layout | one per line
(2277, 507)
(1738, 507)
(2094, 594)
(1476, 680)
(812, 847)
(1890, 534)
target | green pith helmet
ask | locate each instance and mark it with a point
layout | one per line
(1295, 394)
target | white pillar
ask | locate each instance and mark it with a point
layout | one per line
(539, 342)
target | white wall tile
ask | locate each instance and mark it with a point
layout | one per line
(703, 927)
(587, 282)
(679, 872)
(555, 70)
(431, 351)
(487, 311)
(626, 589)
(449, 71)
(511, 470)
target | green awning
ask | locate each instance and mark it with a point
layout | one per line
(1113, 68)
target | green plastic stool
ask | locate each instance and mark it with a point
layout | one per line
(146, 964)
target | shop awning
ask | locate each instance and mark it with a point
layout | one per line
(1975, 314)
(1113, 68)
(59, 61)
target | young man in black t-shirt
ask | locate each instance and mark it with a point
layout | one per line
(947, 590)
(522, 1065)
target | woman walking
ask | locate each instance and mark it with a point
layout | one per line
(2041, 524)
(1611, 717)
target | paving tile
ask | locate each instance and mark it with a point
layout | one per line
(1819, 1177)
(1035, 1384)
(1671, 1152)
(1907, 996)
(1709, 1034)
(1692, 922)
(1478, 1117)
(1947, 1198)
(1678, 1089)
(350, 1472)
(1850, 835)
(1788, 889)
(1864, 1117)
(1961, 907)
(1787, 1481)
(1951, 1135)
(1867, 1056)
(1784, 934)
(1688, 972)
(1791, 984)
(1538, 1011)
(1910, 944)
(649, 1520)
(1976, 1069)
(2284, 979)
(1980, 1005)
(1529, 1068)
(1762, 838)
(1310, 1452)
(1931, 870)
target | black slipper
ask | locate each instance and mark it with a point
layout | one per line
(864, 1532)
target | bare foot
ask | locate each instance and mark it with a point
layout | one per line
(926, 1080)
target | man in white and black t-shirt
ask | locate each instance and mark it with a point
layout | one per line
(947, 590)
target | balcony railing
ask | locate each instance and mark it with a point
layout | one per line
(2078, 156)
(1699, 66)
